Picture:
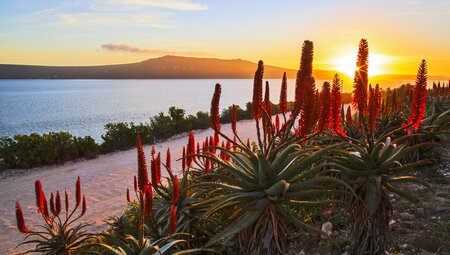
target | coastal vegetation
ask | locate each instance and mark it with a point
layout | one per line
(312, 160)
(34, 150)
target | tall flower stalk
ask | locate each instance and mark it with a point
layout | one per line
(361, 79)
(419, 97)
(283, 96)
(325, 106)
(335, 108)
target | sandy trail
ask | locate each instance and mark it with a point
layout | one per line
(104, 181)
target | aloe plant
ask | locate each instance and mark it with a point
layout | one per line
(375, 172)
(261, 191)
(167, 245)
(60, 233)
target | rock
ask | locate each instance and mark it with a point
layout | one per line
(327, 227)
(405, 246)
(406, 216)
(420, 210)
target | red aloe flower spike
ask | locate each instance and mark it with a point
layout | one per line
(176, 191)
(190, 149)
(128, 195)
(154, 173)
(183, 160)
(20, 219)
(192, 144)
(277, 123)
(83, 209)
(168, 160)
(335, 111)
(267, 106)
(148, 201)
(207, 166)
(316, 106)
(216, 139)
(41, 201)
(78, 192)
(283, 95)
(153, 151)
(325, 106)
(52, 204)
(420, 97)
(257, 90)
(361, 79)
(135, 184)
(158, 166)
(58, 203)
(304, 72)
(67, 203)
(267, 103)
(142, 166)
(228, 147)
(172, 220)
(214, 114)
(198, 149)
(307, 119)
(248, 143)
(394, 100)
(212, 143)
(38, 194)
(377, 100)
(348, 116)
(233, 119)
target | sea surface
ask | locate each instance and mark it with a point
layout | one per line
(83, 107)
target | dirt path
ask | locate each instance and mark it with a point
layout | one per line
(104, 181)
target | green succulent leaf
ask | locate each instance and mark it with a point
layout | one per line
(242, 223)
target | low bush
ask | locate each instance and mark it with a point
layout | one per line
(26, 151)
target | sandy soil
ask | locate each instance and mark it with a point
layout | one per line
(104, 181)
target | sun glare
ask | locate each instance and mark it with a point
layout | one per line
(377, 62)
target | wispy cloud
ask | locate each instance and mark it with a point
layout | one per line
(156, 20)
(111, 47)
(184, 5)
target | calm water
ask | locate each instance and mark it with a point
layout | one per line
(83, 107)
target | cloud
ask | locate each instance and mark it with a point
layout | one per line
(111, 47)
(156, 20)
(183, 5)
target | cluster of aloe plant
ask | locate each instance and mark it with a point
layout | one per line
(314, 157)
(61, 232)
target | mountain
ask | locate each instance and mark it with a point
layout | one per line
(167, 67)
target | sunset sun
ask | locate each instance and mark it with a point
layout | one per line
(377, 64)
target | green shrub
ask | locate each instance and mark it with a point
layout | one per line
(122, 135)
(26, 151)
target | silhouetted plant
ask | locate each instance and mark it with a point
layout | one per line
(361, 80)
